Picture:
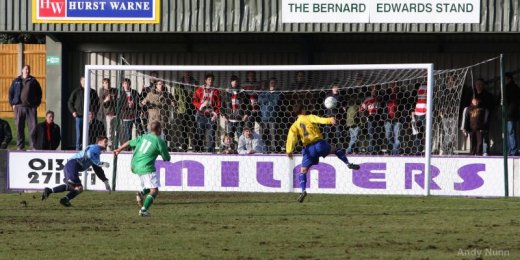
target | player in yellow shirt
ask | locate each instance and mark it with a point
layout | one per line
(306, 129)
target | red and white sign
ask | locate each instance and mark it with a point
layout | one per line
(51, 8)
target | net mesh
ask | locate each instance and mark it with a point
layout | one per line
(208, 111)
(230, 110)
(448, 93)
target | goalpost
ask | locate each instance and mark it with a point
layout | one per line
(355, 82)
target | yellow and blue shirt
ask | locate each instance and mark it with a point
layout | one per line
(305, 128)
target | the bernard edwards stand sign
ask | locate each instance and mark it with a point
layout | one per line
(380, 11)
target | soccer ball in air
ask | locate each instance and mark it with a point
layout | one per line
(330, 102)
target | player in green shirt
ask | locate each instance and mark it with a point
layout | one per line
(146, 149)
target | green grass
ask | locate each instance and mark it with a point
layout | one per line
(257, 226)
(12, 144)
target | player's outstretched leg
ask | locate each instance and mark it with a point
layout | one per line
(60, 188)
(46, 193)
(303, 185)
(342, 155)
(65, 202)
(73, 192)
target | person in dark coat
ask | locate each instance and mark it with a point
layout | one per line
(513, 112)
(474, 124)
(487, 101)
(96, 128)
(47, 134)
(5, 134)
(25, 95)
(75, 105)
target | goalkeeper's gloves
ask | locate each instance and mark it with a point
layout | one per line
(107, 186)
(105, 164)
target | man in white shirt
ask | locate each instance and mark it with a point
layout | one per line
(250, 142)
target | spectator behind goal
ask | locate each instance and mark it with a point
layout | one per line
(270, 106)
(474, 124)
(129, 102)
(75, 105)
(185, 116)
(250, 142)
(229, 145)
(95, 128)
(159, 103)
(206, 100)
(234, 107)
(108, 98)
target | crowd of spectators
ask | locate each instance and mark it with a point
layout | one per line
(251, 116)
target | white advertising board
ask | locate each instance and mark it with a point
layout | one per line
(386, 175)
(36, 170)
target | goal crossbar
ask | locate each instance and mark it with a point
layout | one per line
(259, 67)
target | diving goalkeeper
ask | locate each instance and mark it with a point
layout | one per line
(80, 162)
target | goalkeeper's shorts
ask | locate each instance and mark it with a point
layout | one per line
(72, 169)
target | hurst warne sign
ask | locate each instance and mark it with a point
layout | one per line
(380, 11)
(95, 11)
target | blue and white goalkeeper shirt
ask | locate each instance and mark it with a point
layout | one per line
(88, 157)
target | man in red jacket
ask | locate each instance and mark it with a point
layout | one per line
(206, 100)
(46, 135)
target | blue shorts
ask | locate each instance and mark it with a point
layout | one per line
(72, 169)
(312, 152)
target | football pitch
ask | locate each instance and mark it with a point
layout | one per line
(198, 225)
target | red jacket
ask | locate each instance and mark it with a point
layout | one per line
(370, 104)
(212, 94)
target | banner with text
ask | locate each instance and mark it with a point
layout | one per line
(464, 176)
(380, 11)
(95, 11)
(37, 170)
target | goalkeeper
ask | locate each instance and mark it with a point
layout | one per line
(146, 149)
(306, 129)
(80, 162)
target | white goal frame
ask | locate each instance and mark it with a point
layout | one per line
(426, 66)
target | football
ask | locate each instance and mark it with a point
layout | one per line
(330, 102)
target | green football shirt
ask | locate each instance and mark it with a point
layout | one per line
(146, 149)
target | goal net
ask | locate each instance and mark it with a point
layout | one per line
(262, 99)
(227, 125)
